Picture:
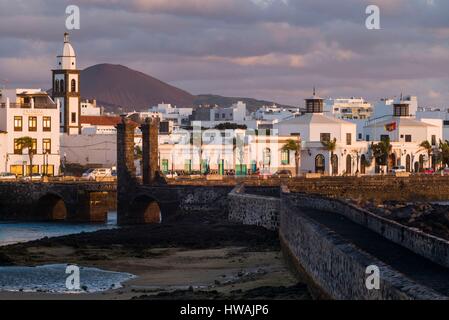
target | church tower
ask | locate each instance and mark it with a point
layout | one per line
(66, 89)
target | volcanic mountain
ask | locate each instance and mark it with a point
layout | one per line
(117, 86)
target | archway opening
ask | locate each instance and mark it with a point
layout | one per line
(408, 163)
(320, 164)
(146, 210)
(51, 207)
(348, 164)
(363, 164)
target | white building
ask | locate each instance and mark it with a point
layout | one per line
(213, 116)
(90, 108)
(66, 89)
(348, 108)
(29, 113)
(165, 111)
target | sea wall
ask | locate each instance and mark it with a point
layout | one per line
(335, 266)
(426, 245)
(256, 208)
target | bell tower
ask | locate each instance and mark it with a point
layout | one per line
(66, 89)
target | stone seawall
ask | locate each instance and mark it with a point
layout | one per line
(334, 265)
(428, 246)
(254, 209)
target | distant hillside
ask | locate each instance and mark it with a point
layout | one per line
(117, 86)
(252, 104)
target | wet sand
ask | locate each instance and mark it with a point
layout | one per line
(188, 258)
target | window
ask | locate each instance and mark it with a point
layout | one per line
(285, 157)
(384, 137)
(48, 170)
(56, 85)
(34, 146)
(434, 140)
(17, 123)
(73, 85)
(73, 117)
(35, 169)
(16, 169)
(165, 166)
(32, 123)
(61, 86)
(325, 137)
(367, 137)
(348, 139)
(408, 138)
(46, 146)
(46, 124)
(360, 136)
(17, 147)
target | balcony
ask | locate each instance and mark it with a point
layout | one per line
(28, 105)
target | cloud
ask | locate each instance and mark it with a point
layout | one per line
(270, 49)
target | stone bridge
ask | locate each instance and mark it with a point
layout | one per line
(77, 201)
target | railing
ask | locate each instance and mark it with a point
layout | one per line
(14, 105)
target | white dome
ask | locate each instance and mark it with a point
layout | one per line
(67, 50)
(67, 59)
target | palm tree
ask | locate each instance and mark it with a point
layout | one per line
(293, 145)
(381, 151)
(27, 143)
(426, 146)
(443, 153)
(330, 146)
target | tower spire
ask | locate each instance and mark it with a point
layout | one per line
(66, 37)
(314, 91)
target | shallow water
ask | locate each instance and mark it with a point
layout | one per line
(52, 279)
(14, 232)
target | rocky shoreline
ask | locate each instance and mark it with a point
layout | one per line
(189, 257)
(428, 217)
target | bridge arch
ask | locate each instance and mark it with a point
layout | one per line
(146, 209)
(51, 206)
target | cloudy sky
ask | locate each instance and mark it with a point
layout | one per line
(267, 49)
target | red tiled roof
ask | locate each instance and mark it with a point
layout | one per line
(101, 120)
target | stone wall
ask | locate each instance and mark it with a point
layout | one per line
(377, 188)
(421, 243)
(336, 266)
(254, 209)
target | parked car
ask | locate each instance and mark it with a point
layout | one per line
(397, 169)
(444, 171)
(33, 177)
(7, 176)
(428, 171)
(283, 174)
(96, 174)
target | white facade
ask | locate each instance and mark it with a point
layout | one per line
(90, 108)
(29, 113)
(348, 108)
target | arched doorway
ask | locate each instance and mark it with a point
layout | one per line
(51, 207)
(363, 164)
(320, 163)
(408, 163)
(334, 163)
(416, 166)
(348, 164)
(145, 210)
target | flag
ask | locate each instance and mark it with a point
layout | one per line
(390, 126)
